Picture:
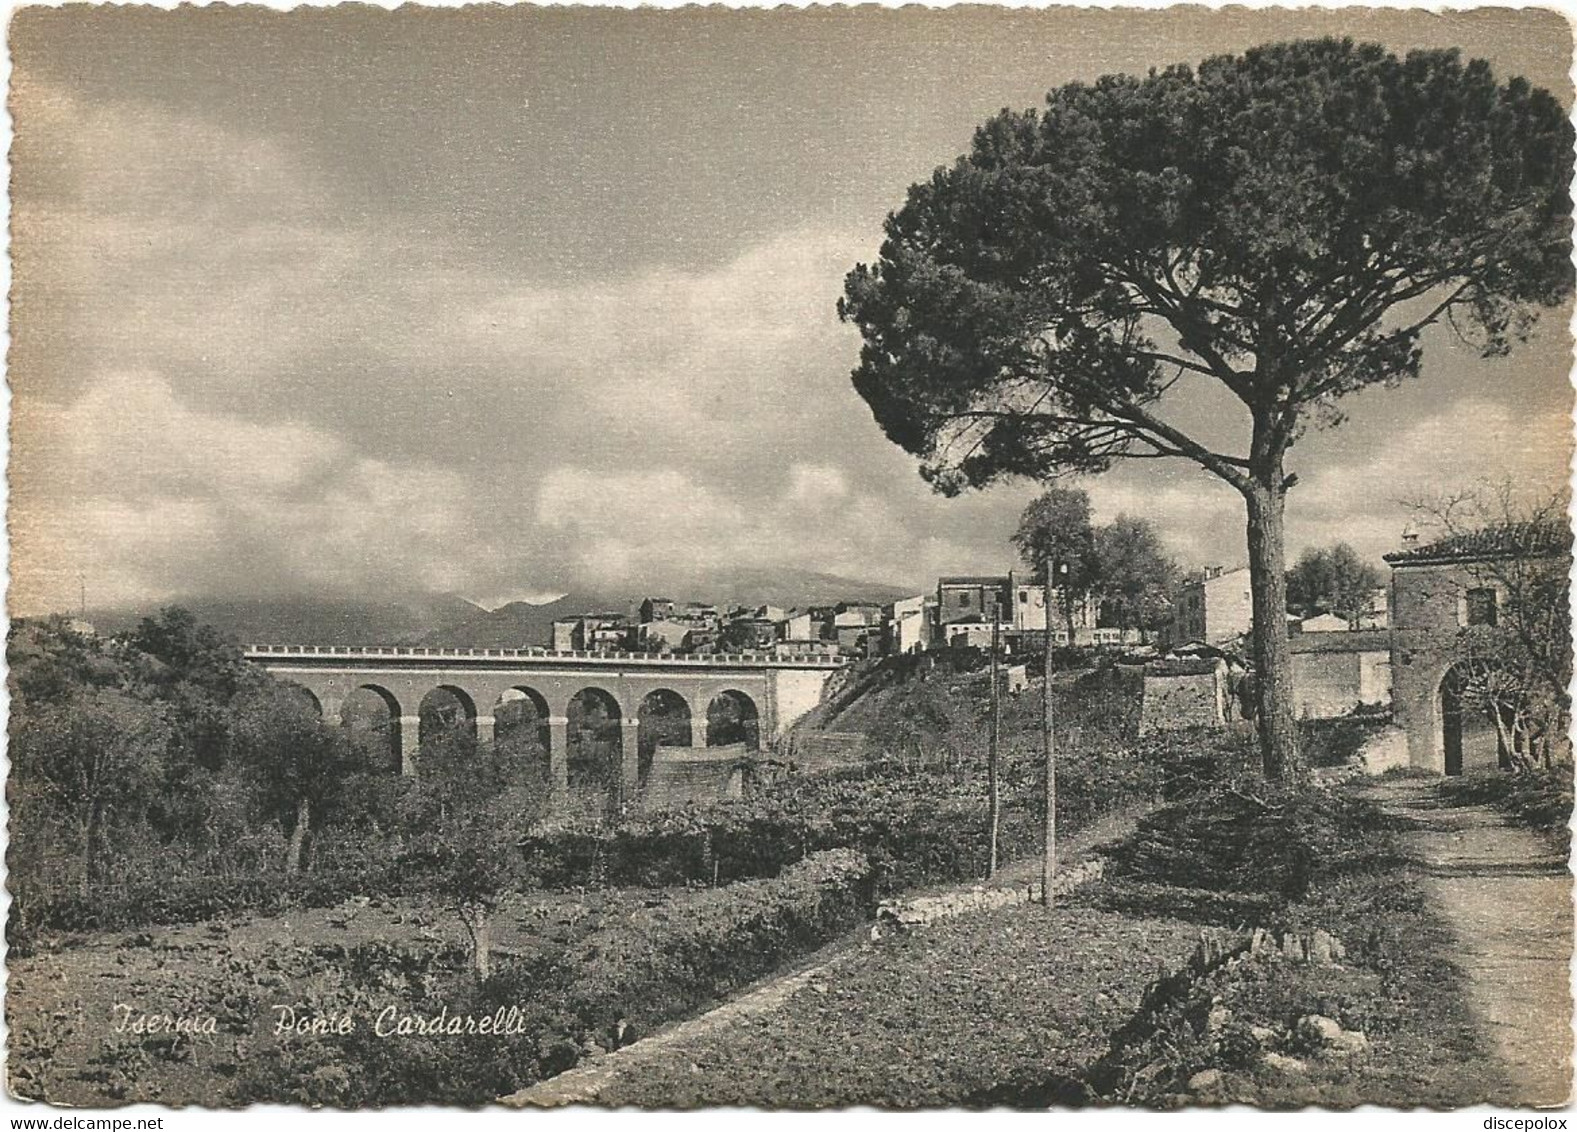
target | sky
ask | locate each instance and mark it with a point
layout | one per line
(506, 302)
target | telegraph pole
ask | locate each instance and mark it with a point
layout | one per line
(1048, 864)
(993, 784)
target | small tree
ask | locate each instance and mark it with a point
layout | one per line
(295, 759)
(1056, 540)
(1333, 580)
(1135, 577)
(1283, 225)
(93, 754)
(478, 797)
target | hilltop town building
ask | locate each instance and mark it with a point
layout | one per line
(1213, 609)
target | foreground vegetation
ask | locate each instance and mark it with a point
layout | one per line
(443, 894)
(450, 898)
(1352, 996)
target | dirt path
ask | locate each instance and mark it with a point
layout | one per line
(585, 1083)
(1506, 893)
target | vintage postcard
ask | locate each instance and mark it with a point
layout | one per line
(802, 558)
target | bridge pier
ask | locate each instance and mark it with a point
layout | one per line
(333, 708)
(630, 760)
(410, 743)
(484, 730)
(698, 728)
(558, 759)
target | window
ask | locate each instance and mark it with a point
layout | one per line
(1023, 597)
(1481, 606)
(963, 601)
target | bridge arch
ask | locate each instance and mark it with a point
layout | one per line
(447, 707)
(520, 725)
(595, 746)
(665, 718)
(371, 714)
(733, 717)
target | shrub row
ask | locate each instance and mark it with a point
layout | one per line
(916, 826)
(144, 902)
(659, 965)
(627, 977)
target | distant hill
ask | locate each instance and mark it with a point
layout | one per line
(517, 625)
(310, 620)
(789, 588)
(449, 621)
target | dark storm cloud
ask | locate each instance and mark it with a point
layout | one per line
(500, 300)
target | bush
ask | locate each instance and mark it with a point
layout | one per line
(917, 827)
(1257, 839)
(1336, 742)
(661, 964)
(1539, 798)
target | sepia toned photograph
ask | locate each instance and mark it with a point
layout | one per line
(688, 558)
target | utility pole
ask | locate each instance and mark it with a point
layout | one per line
(1048, 864)
(993, 784)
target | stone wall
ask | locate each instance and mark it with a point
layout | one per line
(1182, 694)
(683, 776)
(1330, 683)
(1384, 750)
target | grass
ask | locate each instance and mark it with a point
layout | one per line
(937, 1017)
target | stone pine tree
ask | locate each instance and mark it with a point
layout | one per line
(1283, 224)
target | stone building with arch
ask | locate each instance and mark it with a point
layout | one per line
(1451, 601)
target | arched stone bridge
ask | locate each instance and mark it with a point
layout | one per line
(772, 691)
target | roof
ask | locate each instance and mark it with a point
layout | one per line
(1505, 540)
(974, 580)
(1190, 667)
(1226, 572)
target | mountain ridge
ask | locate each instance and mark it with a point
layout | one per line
(451, 621)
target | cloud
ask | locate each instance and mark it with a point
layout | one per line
(231, 374)
(141, 495)
(1366, 497)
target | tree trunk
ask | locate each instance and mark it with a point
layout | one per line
(478, 922)
(298, 836)
(1278, 731)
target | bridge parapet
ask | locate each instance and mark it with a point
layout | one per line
(416, 653)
